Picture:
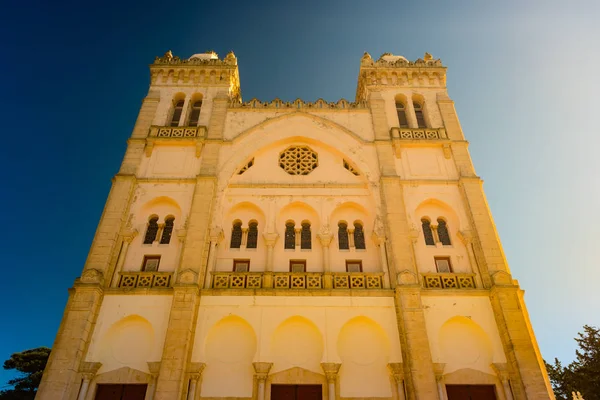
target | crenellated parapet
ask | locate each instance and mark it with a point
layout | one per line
(396, 71)
(204, 69)
(320, 104)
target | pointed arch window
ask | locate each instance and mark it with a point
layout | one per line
(442, 231)
(401, 111)
(236, 235)
(343, 241)
(427, 232)
(359, 237)
(195, 113)
(167, 231)
(151, 231)
(419, 114)
(305, 236)
(290, 235)
(177, 110)
(252, 242)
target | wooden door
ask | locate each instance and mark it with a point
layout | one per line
(471, 392)
(296, 392)
(121, 392)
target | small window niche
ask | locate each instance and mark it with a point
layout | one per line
(297, 265)
(354, 266)
(150, 263)
(443, 264)
(241, 265)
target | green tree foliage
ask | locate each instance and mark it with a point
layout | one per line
(583, 374)
(31, 364)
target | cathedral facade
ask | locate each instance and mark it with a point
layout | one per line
(296, 251)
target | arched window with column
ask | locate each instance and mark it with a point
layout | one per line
(401, 111)
(151, 230)
(236, 235)
(167, 231)
(427, 232)
(359, 237)
(419, 115)
(305, 236)
(343, 242)
(290, 235)
(195, 113)
(443, 233)
(177, 111)
(252, 242)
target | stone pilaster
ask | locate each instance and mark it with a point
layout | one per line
(146, 115)
(419, 374)
(103, 250)
(378, 115)
(401, 256)
(178, 342)
(525, 366)
(217, 117)
(449, 116)
(62, 378)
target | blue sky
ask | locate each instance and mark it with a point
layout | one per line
(524, 76)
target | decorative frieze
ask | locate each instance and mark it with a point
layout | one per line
(320, 104)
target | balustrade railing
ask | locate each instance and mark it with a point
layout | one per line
(449, 281)
(177, 132)
(142, 279)
(296, 280)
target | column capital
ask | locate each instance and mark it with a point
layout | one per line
(196, 368)
(466, 236)
(270, 238)
(501, 370)
(397, 371)
(154, 368)
(438, 369)
(129, 234)
(216, 234)
(331, 370)
(261, 370)
(89, 369)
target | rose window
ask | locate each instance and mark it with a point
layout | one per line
(298, 160)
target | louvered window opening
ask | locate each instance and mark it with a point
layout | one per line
(401, 115)
(290, 236)
(236, 236)
(151, 231)
(177, 113)
(359, 237)
(343, 241)
(443, 232)
(305, 237)
(167, 232)
(427, 233)
(252, 235)
(420, 116)
(195, 113)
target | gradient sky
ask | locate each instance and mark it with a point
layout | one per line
(523, 74)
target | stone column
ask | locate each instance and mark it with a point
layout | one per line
(128, 237)
(216, 236)
(397, 372)
(154, 368)
(331, 371)
(88, 371)
(350, 237)
(262, 372)
(439, 378)
(502, 374)
(270, 240)
(298, 236)
(379, 240)
(325, 237)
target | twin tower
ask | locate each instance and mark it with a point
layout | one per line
(296, 251)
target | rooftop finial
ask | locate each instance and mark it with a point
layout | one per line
(427, 57)
(168, 55)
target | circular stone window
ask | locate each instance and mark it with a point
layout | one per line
(298, 160)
